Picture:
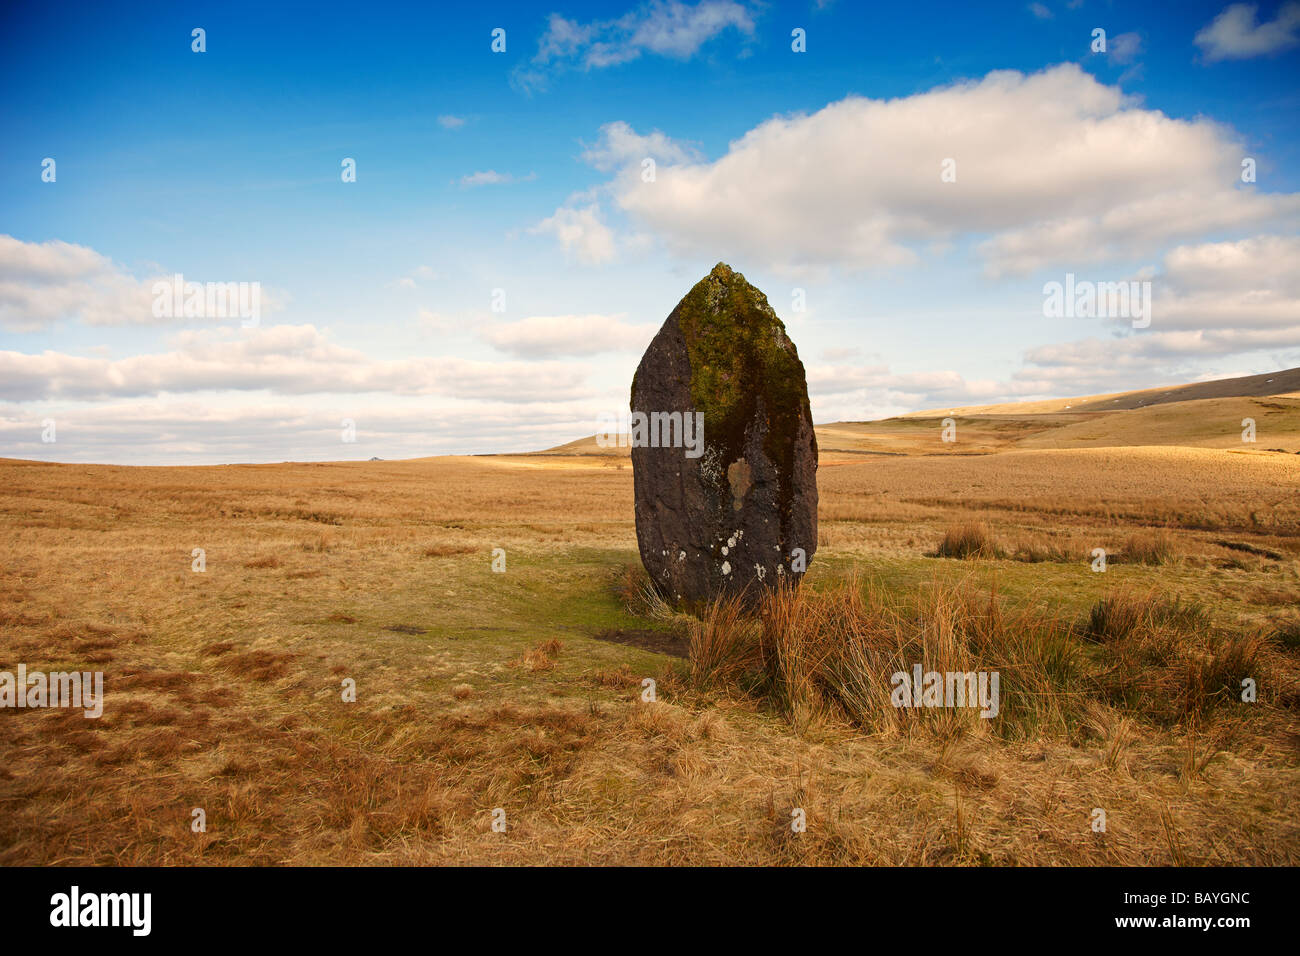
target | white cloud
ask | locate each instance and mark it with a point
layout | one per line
(1236, 35)
(282, 359)
(43, 283)
(49, 262)
(666, 28)
(1222, 290)
(835, 381)
(451, 122)
(1212, 304)
(413, 279)
(554, 335)
(863, 393)
(1124, 47)
(1219, 305)
(438, 322)
(185, 430)
(678, 29)
(1040, 11)
(46, 282)
(842, 352)
(619, 145)
(490, 177)
(582, 232)
(1097, 365)
(1053, 167)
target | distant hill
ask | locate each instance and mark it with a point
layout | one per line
(1201, 415)
(1286, 382)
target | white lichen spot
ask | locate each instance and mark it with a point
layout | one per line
(726, 567)
(681, 555)
(724, 550)
(760, 571)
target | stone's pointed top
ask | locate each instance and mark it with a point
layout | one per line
(724, 291)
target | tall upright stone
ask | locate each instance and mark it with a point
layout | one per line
(737, 512)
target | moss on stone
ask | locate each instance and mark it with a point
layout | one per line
(740, 356)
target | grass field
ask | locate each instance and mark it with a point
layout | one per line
(522, 690)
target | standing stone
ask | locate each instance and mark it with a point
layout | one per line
(737, 512)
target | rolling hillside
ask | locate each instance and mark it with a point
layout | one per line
(1199, 415)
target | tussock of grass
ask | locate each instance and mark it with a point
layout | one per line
(1287, 634)
(541, 656)
(258, 665)
(972, 539)
(1216, 675)
(1150, 546)
(1165, 660)
(831, 655)
(1150, 615)
(724, 645)
(1035, 549)
(320, 544)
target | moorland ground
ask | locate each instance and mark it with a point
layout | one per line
(522, 690)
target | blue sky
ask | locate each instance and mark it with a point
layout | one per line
(519, 175)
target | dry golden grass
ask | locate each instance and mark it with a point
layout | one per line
(223, 688)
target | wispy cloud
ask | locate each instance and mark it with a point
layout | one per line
(1236, 34)
(665, 28)
(1124, 48)
(490, 177)
(556, 335)
(413, 279)
(248, 428)
(282, 359)
(582, 233)
(620, 144)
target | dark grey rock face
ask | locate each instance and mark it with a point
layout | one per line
(735, 512)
